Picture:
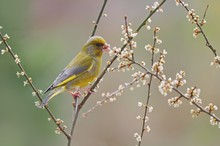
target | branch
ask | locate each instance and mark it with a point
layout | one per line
(99, 17)
(149, 88)
(128, 35)
(179, 92)
(29, 81)
(75, 117)
(151, 13)
(203, 18)
(208, 44)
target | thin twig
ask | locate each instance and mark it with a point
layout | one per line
(149, 89)
(151, 13)
(122, 66)
(33, 87)
(205, 12)
(126, 29)
(197, 105)
(99, 17)
(208, 44)
(75, 115)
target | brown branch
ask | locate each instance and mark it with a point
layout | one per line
(75, 117)
(203, 18)
(129, 37)
(208, 44)
(151, 13)
(149, 88)
(29, 80)
(99, 17)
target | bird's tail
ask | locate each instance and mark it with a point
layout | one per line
(53, 93)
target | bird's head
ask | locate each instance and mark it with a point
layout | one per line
(95, 46)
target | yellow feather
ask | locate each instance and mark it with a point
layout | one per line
(67, 80)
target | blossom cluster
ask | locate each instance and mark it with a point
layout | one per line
(193, 18)
(196, 31)
(195, 113)
(150, 9)
(144, 119)
(127, 32)
(151, 49)
(3, 51)
(149, 108)
(5, 37)
(180, 81)
(140, 78)
(153, 7)
(125, 56)
(35, 93)
(175, 101)
(138, 136)
(16, 59)
(168, 85)
(193, 94)
(59, 122)
(214, 121)
(216, 62)
(157, 67)
(210, 108)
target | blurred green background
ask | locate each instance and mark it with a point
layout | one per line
(46, 34)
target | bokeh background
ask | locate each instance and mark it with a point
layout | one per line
(46, 34)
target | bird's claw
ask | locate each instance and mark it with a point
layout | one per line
(76, 94)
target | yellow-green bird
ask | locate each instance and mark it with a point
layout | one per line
(82, 70)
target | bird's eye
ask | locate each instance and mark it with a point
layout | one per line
(99, 44)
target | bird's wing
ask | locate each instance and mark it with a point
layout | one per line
(75, 68)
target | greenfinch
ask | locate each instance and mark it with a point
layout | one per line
(81, 71)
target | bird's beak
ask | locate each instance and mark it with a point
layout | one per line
(106, 47)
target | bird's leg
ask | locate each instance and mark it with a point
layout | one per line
(75, 94)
